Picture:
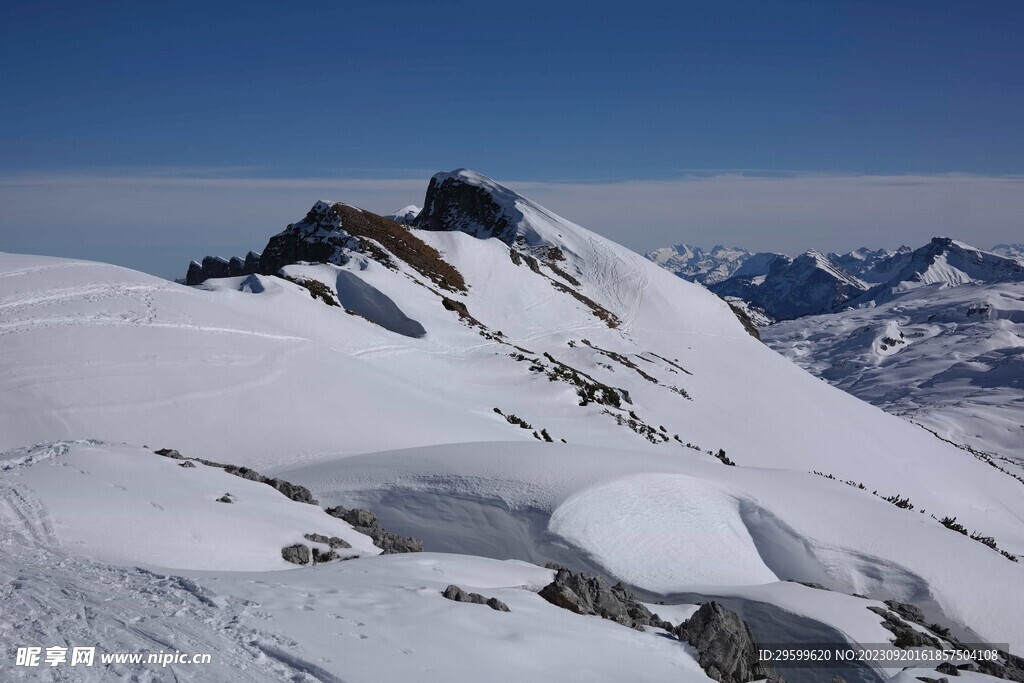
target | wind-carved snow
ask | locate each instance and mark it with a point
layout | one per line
(367, 619)
(632, 528)
(673, 524)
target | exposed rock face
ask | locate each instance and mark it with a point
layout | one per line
(226, 498)
(726, 648)
(332, 233)
(452, 203)
(585, 593)
(317, 238)
(745, 320)
(453, 592)
(365, 522)
(215, 266)
(296, 554)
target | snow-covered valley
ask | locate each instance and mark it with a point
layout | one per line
(491, 378)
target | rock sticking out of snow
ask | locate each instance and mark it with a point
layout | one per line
(365, 522)
(296, 554)
(726, 648)
(453, 592)
(585, 593)
(292, 491)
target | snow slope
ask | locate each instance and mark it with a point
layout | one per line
(366, 619)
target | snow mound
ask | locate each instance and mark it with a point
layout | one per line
(662, 531)
(126, 505)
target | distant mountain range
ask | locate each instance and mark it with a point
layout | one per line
(813, 283)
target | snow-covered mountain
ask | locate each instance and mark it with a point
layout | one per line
(405, 215)
(872, 266)
(807, 285)
(944, 262)
(507, 385)
(699, 265)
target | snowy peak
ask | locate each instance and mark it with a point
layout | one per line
(406, 215)
(791, 288)
(872, 265)
(944, 262)
(466, 201)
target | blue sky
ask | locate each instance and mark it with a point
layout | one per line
(555, 92)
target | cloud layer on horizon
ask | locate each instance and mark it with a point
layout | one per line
(77, 213)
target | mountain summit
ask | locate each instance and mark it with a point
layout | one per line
(945, 262)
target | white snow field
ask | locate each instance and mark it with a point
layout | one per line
(367, 619)
(949, 358)
(644, 375)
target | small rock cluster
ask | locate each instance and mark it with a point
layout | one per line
(906, 635)
(1010, 667)
(725, 646)
(453, 592)
(293, 491)
(300, 553)
(585, 593)
(365, 522)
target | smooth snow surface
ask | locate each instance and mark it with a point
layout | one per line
(618, 526)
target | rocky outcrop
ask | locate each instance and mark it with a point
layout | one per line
(906, 635)
(453, 592)
(726, 649)
(459, 202)
(332, 233)
(745, 320)
(215, 266)
(725, 646)
(332, 542)
(296, 554)
(365, 522)
(585, 593)
(293, 491)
